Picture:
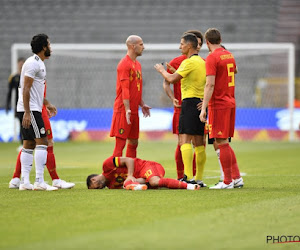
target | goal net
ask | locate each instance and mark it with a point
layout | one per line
(81, 82)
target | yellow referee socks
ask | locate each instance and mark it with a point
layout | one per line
(187, 158)
(200, 162)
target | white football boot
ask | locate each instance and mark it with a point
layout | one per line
(43, 186)
(192, 186)
(14, 183)
(238, 183)
(222, 185)
(26, 186)
(137, 187)
(58, 183)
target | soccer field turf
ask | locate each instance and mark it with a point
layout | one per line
(268, 205)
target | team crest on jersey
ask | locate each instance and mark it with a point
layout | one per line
(121, 131)
(138, 75)
(42, 130)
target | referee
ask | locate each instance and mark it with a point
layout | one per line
(192, 74)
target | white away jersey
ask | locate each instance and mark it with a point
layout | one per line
(34, 68)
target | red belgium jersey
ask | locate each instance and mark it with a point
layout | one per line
(175, 63)
(116, 174)
(221, 64)
(129, 85)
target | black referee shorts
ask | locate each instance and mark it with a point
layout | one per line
(37, 127)
(189, 121)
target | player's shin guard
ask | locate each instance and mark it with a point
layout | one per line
(226, 161)
(131, 150)
(234, 167)
(179, 163)
(40, 158)
(187, 158)
(200, 161)
(51, 164)
(26, 162)
(120, 144)
(17, 172)
(171, 183)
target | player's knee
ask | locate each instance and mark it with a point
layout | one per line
(154, 181)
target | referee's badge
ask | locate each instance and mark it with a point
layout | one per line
(42, 131)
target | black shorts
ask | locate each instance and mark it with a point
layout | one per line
(211, 140)
(36, 129)
(189, 121)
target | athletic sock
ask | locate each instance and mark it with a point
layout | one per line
(221, 169)
(40, 158)
(17, 172)
(200, 161)
(51, 164)
(194, 164)
(171, 183)
(226, 161)
(131, 150)
(26, 164)
(120, 144)
(234, 167)
(179, 163)
(187, 158)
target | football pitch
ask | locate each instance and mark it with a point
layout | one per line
(268, 205)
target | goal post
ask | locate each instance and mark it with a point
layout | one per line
(83, 76)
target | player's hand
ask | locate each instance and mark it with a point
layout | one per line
(199, 105)
(159, 67)
(176, 103)
(130, 178)
(202, 115)
(146, 110)
(26, 120)
(128, 115)
(51, 110)
(170, 68)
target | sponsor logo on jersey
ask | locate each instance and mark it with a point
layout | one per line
(220, 133)
(36, 58)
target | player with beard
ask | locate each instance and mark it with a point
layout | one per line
(29, 109)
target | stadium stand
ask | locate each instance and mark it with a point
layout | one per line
(111, 21)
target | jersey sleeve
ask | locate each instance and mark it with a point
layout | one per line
(31, 69)
(210, 65)
(185, 68)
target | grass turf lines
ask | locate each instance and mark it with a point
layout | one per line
(79, 218)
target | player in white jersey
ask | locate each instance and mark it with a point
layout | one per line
(29, 109)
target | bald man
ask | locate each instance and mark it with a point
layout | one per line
(125, 121)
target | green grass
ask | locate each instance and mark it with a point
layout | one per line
(269, 204)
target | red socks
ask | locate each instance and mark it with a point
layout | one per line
(120, 144)
(17, 172)
(194, 164)
(172, 183)
(234, 167)
(51, 165)
(179, 163)
(131, 150)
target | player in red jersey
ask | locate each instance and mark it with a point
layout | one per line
(134, 174)
(51, 164)
(220, 99)
(175, 96)
(125, 121)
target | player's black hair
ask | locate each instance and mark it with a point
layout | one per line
(38, 42)
(197, 33)
(190, 38)
(88, 180)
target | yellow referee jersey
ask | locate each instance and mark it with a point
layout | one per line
(193, 75)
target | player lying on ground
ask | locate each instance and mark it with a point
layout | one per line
(134, 174)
